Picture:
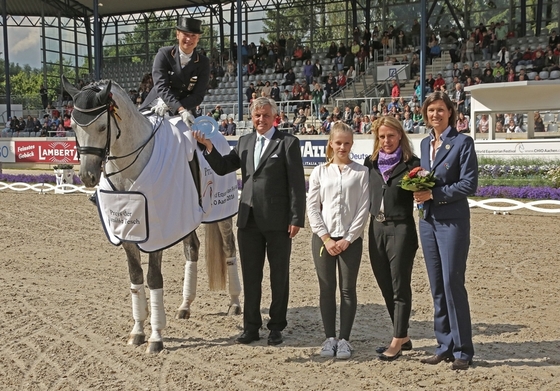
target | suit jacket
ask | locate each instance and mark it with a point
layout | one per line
(175, 85)
(397, 201)
(276, 189)
(456, 170)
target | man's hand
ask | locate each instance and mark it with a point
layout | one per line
(160, 108)
(293, 230)
(187, 117)
(199, 136)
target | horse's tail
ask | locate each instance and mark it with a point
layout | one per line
(215, 258)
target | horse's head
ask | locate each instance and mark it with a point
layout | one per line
(91, 123)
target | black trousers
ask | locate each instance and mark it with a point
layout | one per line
(392, 247)
(254, 244)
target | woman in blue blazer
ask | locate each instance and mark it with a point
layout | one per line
(445, 229)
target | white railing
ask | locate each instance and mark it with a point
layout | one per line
(489, 204)
(46, 187)
(514, 205)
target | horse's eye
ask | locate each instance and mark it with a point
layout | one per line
(102, 128)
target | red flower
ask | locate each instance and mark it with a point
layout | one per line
(414, 171)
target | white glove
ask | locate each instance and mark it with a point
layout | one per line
(160, 108)
(187, 117)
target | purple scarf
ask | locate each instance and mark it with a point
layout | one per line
(387, 162)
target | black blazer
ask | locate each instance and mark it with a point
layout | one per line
(276, 189)
(397, 201)
(175, 85)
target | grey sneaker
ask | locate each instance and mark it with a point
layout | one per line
(329, 347)
(343, 350)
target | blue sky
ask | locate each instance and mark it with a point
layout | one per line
(24, 44)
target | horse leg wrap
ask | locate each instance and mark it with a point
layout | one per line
(233, 278)
(189, 285)
(139, 313)
(157, 318)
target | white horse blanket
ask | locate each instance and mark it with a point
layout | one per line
(162, 206)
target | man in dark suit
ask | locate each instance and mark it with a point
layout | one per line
(271, 212)
(180, 74)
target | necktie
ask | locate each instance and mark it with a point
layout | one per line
(258, 150)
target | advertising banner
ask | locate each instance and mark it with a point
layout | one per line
(50, 152)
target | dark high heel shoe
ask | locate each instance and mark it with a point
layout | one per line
(405, 346)
(384, 357)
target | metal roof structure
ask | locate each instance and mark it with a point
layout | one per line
(84, 8)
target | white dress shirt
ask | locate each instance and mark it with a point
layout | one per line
(185, 58)
(338, 200)
(267, 137)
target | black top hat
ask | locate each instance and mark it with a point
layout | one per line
(189, 25)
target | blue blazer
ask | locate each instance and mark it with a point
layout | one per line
(456, 170)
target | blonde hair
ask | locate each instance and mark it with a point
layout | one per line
(338, 127)
(394, 124)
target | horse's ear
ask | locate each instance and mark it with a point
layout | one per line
(104, 94)
(73, 91)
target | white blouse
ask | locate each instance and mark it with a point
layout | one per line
(338, 201)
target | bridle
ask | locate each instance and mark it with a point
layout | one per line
(110, 107)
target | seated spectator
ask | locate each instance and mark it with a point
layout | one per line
(366, 125)
(357, 117)
(350, 75)
(341, 80)
(347, 116)
(29, 125)
(275, 92)
(462, 123)
(298, 54)
(231, 128)
(503, 56)
(456, 72)
(217, 112)
(395, 89)
(284, 123)
(212, 82)
(512, 127)
(538, 62)
(511, 75)
(498, 69)
(394, 103)
(230, 70)
(251, 68)
(553, 39)
(266, 89)
(223, 127)
(381, 105)
(342, 49)
(408, 123)
(307, 54)
(551, 62)
(361, 67)
(323, 113)
(417, 116)
(527, 57)
(60, 131)
(336, 114)
(483, 124)
(348, 61)
(287, 63)
(488, 76)
(290, 78)
(498, 77)
(326, 125)
(539, 124)
(338, 63)
(67, 122)
(299, 122)
(333, 50)
(439, 82)
(499, 127)
(37, 126)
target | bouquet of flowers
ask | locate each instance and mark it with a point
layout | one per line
(418, 179)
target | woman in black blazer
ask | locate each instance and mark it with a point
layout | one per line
(392, 231)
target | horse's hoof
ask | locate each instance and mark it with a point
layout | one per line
(154, 347)
(183, 314)
(137, 339)
(234, 309)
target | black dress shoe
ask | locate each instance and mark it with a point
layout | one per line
(275, 337)
(461, 364)
(248, 337)
(384, 357)
(436, 359)
(405, 346)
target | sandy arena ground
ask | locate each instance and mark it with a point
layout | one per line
(66, 314)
